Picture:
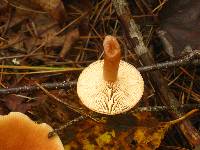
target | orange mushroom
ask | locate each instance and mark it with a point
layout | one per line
(112, 58)
(19, 132)
(110, 86)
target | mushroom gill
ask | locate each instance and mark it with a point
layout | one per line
(110, 86)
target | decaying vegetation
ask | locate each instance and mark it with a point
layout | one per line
(44, 46)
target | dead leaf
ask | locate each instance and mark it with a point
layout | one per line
(105, 138)
(97, 136)
(70, 38)
(55, 8)
(94, 138)
(149, 138)
(18, 103)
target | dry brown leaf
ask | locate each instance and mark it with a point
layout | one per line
(70, 38)
(150, 138)
(18, 103)
(54, 7)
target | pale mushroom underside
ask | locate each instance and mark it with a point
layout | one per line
(110, 98)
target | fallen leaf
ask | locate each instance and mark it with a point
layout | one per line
(93, 136)
(54, 7)
(105, 138)
(149, 138)
(18, 103)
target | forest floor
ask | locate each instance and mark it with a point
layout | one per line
(44, 46)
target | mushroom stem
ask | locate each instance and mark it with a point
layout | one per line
(112, 56)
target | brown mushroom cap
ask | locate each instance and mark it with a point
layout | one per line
(19, 132)
(110, 97)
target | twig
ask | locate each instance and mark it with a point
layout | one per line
(71, 23)
(135, 40)
(77, 110)
(23, 8)
(57, 99)
(165, 108)
(8, 22)
(190, 58)
(184, 117)
(51, 86)
(71, 122)
(138, 109)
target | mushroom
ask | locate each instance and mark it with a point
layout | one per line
(19, 132)
(110, 86)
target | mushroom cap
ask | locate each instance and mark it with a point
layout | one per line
(110, 97)
(19, 132)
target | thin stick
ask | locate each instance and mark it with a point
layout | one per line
(138, 109)
(74, 109)
(165, 108)
(57, 99)
(112, 55)
(71, 122)
(135, 39)
(184, 117)
(191, 57)
(49, 86)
